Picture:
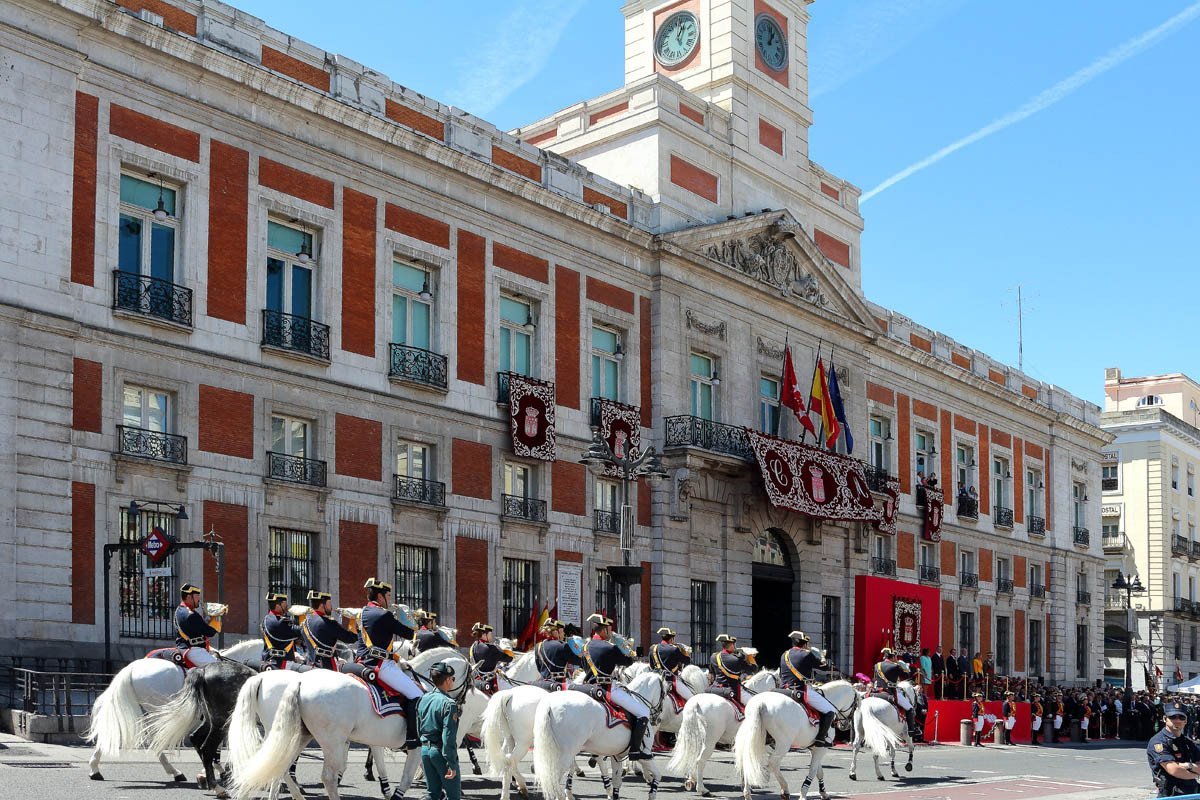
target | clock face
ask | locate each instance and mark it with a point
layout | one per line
(676, 38)
(771, 42)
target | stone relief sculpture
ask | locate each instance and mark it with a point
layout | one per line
(766, 257)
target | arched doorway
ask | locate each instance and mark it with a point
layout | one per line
(773, 579)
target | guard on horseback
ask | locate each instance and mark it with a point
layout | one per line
(796, 667)
(554, 657)
(485, 657)
(192, 632)
(429, 636)
(889, 671)
(377, 628)
(603, 659)
(669, 658)
(322, 632)
(279, 636)
(727, 668)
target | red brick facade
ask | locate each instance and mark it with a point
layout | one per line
(906, 546)
(605, 293)
(617, 207)
(228, 211)
(232, 524)
(472, 469)
(470, 581)
(1019, 643)
(699, 182)
(518, 164)
(358, 272)
(770, 136)
(566, 336)
(83, 552)
(294, 182)
(87, 389)
(985, 630)
(520, 262)
(832, 247)
(302, 71)
(472, 301)
(948, 632)
(418, 226)
(645, 348)
(174, 18)
(410, 118)
(83, 190)
(145, 129)
(358, 557)
(226, 422)
(570, 487)
(359, 447)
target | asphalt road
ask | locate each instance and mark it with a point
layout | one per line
(1097, 771)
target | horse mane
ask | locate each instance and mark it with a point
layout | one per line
(519, 661)
(695, 677)
(421, 662)
(645, 681)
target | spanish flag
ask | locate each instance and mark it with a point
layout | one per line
(821, 403)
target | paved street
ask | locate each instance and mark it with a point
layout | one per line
(1107, 771)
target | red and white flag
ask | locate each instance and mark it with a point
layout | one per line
(790, 395)
(1178, 672)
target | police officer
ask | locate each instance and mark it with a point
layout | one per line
(796, 667)
(1009, 712)
(377, 628)
(1173, 756)
(322, 632)
(429, 636)
(977, 717)
(279, 636)
(437, 720)
(485, 657)
(1035, 723)
(602, 659)
(553, 657)
(192, 632)
(888, 673)
(669, 658)
(727, 666)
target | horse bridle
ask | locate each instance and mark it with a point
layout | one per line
(456, 693)
(656, 709)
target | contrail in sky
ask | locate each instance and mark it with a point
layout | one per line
(1049, 97)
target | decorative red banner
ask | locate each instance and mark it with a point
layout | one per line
(891, 504)
(907, 616)
(531, 411)
(621, 427)
(813, 481)
(934, 509)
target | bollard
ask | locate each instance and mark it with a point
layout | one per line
(966, 732)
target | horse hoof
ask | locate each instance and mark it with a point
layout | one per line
(881, 778)
(689, 784)
(852, 776)
(222, 794)
(908, 767)
(475, 770)
(370, 777)
(592, 762)
(201, 782)
(180, 778)
(96, 776)
(706, 793)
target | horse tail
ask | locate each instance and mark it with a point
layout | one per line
(282, 746)
(116, 716)
(689, 742)
(878, 737)
(750, 746)
(495, 733)
(551, 772)
(167, 726)
(245, 738)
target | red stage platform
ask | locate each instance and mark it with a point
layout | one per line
(952, 712)
(891, 613)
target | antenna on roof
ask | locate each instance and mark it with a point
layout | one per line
(1020, 333)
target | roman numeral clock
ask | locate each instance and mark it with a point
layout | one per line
(771, 42)
(676, 39)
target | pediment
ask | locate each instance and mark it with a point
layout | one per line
(776, 251)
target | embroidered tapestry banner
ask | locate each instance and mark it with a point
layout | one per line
(531, 410)
(891, 504)
(935, 506)
(813, 481)
(907, 630)
(620, 426)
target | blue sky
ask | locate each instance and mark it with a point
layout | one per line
(1091, 204)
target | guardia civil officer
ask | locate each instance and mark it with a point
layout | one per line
(279, 636)
(603, 658)
(727, 667)
(1173, 756)
(796, 667)
(669, 658)
(485, 657)
(192, 632)
(554, 657)
(437, 721)
(322, 632)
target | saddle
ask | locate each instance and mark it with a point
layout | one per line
(739, 709)
(487, 683)
(172, 654)
(384, 703)
(679, 700)
(798, 696)
(614, 714)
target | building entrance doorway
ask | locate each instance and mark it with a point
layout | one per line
(773, 581)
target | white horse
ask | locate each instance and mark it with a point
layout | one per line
(778, 716)
(877, 727)
(334, 709)
(708, 720)
(140, 687)
(568, 723)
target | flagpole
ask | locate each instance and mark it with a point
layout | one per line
(782, 378)
(816, 367)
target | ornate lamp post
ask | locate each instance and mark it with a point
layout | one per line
(630, 465)
(1131, 585)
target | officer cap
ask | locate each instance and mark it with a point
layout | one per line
(549, 623)
(1010, 694)
(188, 588)
(725, 637)
(665, 632)
(887, 651)
(562, 626)
(600, 619)
(276, 597)
(799, 636)
(481, 627)
(1172, 708)
(319, 597)
(375, 583)
(440, 669)
(977, 694)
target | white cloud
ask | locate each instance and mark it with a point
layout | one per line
(1059, 91)
(516, 52)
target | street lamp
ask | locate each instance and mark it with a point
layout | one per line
(630, 465)
(1131, 585)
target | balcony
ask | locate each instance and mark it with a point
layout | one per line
(1081, 536)
(967, 508)
(152, 297)
(294, 469)
(417, 365)
(1195, 552)
(1037, 591)
(1115, 544)
(1036, 526)
(883, 566)
(527, 508)
(1110, 484)
(968, 580)
(1084, 598)
(1179, 546)
(930, 574)
(154, 445)
(605, 521)
(1002, 517)
(877, 478)
(1114, 602)
(688, 431)
(418, 490)
(1184, 606)
(595, 409)
(1004, 586)
(295, 334)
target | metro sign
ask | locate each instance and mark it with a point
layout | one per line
(157, 545)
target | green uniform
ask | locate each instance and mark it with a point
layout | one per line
(437, 725)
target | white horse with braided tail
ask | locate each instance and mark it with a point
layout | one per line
(877, 727)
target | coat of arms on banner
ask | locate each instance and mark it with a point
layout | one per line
(891, 505)
(935, 507)
(531, 409)
(813, 481)
(621, 426)
(907, 622)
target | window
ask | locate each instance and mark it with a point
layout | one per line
(518, 480)
(1081, 650)
(520, 594)
(1191, 485)
(881, 434)
(768, 405)
(1191, 588)
(416, 577)
(1112, 530)
(606, 363)
(1033, 491)
(289, 270)
(964, 460)
(412, 313)
(1035, 575)
(881, 546)
(1175, 476)
(148, 409)
(966, 561)
(966, 632)
(1003, 644)
(1191, 531)
(831, 627)
(1178, 641)
(1035, 647)
(1175, 527)
(608, 495)
(1000, 478)
(292, 563)
(1175, 585)
(923, 445)
(147, 604)
(703, 380)
(1079, 505)
(1193, 647)
(1110, 477)
(146, 244)
(928, 555)
(414, 460)
(290, 436)
(1003, 572)
(1081, 583)
(703, 618)
(608, 598)
(1150, 400)
(516, 336)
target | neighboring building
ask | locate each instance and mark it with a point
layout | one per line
(1149, 518)
(309, 349)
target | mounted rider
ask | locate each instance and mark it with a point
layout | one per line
(796, 668)
(428, 636)
(669, 659)
(485, 658)
(192, 632)
(727, 667)
(322, 632)
(888, 673)
(554, 657)
(280, 636)
(603, 658)
(377, 627)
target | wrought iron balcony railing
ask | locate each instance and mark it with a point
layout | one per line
(1002, 517)
(294, 469)
(1004, 585)
(418, 490)
(1114, 602)
(527, 508)
(1183, 605)
(154, 445)
(298, 334)
(1084, 598)
(595, 409)
(1081, 536)
(689, 431)
(1195, 552)
(1037, 590)
(152, 297)
(1179, 545)
(967, 508)
(969, 580)
(930, 574)
(877, 478)
(1035, 525)
(418, 365)
(605, 521)
(1109, 484)
(883, 566)
(1114, 544)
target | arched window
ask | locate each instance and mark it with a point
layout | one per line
(769, 549)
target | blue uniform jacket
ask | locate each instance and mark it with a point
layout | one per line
(377, 627)
(191, 629)
(796, 667)
(603, 660)
(553, 657)
(321, 635)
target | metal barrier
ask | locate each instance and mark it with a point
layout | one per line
(58, 694)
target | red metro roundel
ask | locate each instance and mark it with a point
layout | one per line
(156, 545)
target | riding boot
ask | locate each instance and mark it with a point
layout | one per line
(913, 728)
(412, 741)
(822, 739)
(979, 738)
(637, 739)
